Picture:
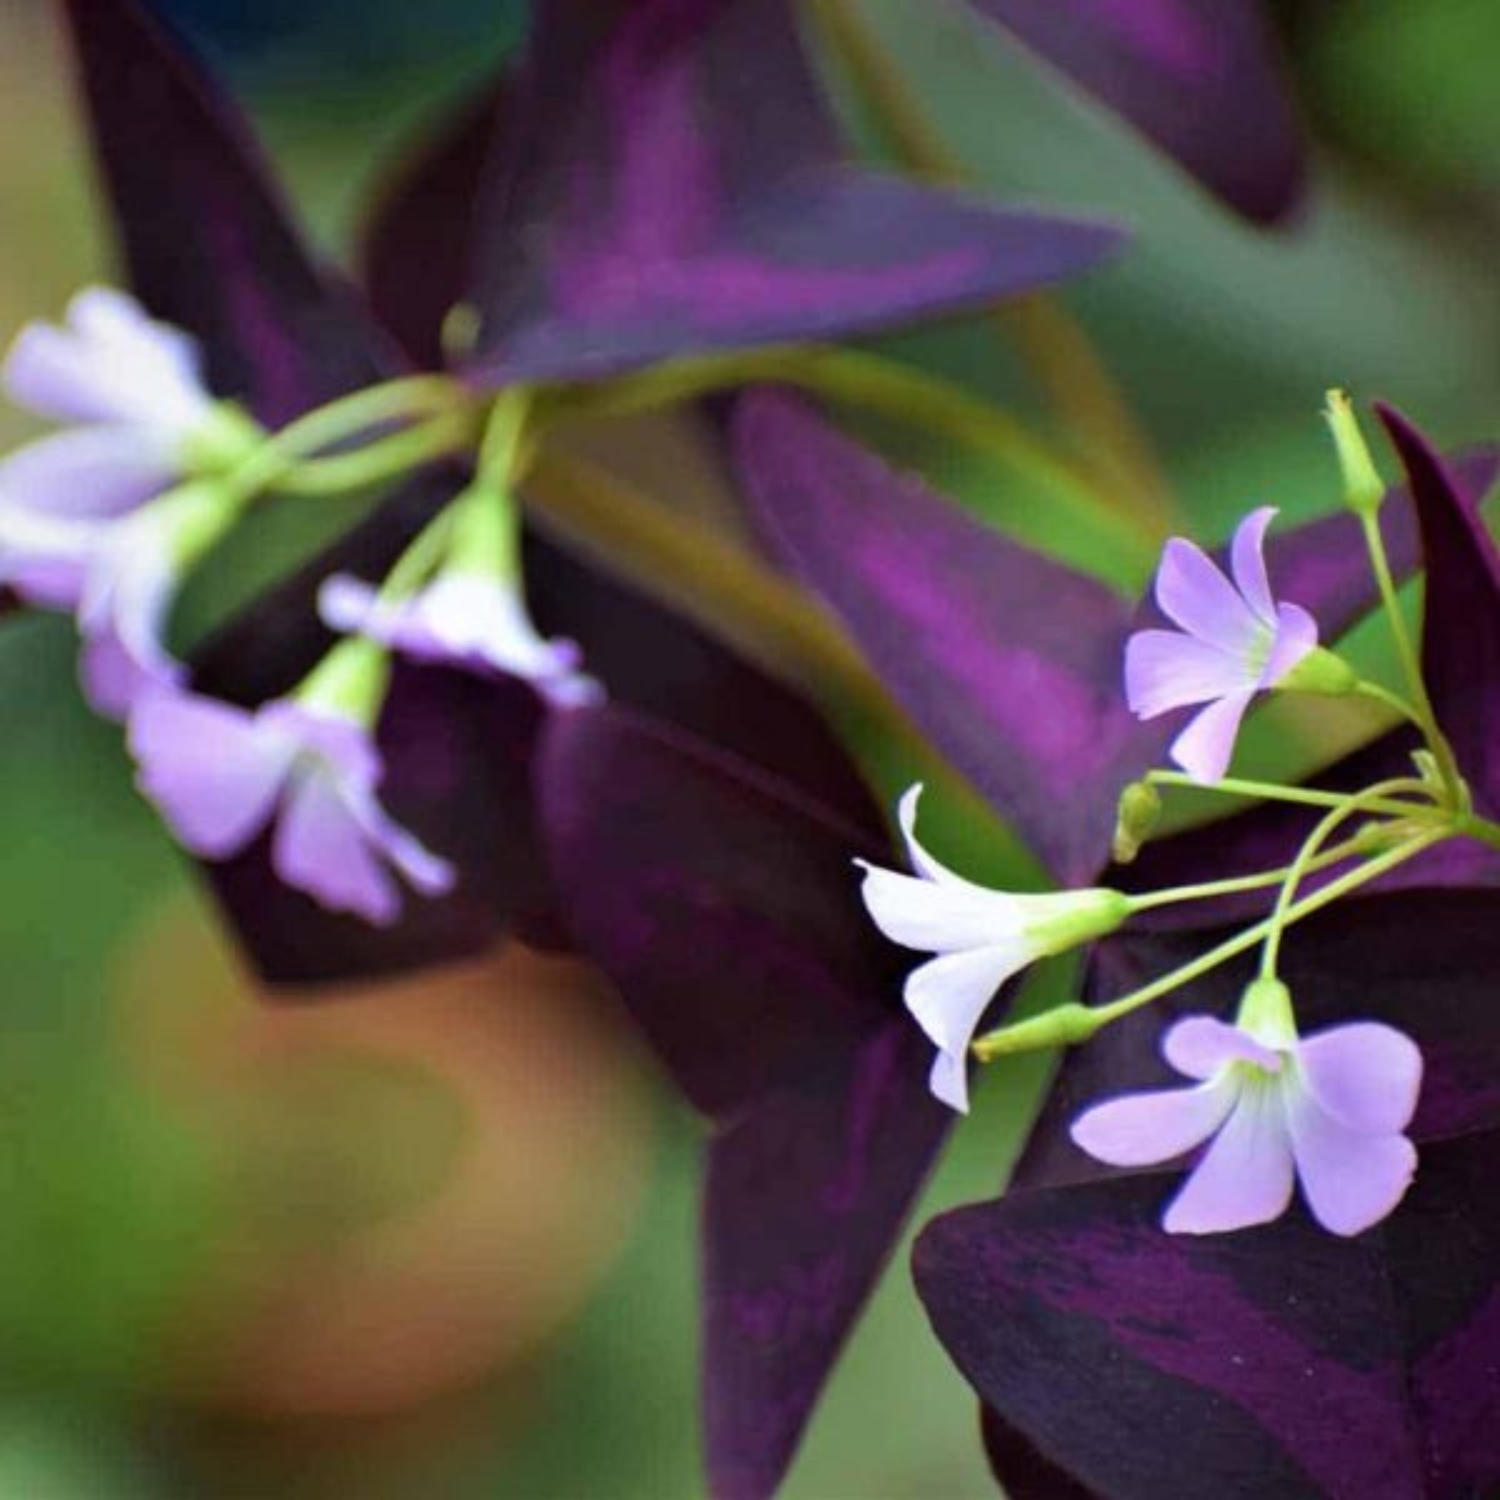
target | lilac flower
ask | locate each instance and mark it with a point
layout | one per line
(465, 618)
(220, 774)
(982, 937)
(1328, 1109)
(141, 420)
(1234, 641)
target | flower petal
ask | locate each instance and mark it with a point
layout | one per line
(321, 848)
(1247, 562)
(1245, 1177)
(936, 918)
(1350, 1181)
(1205, 748)
(1296, 635)
(1195, 594)
(213, 772)
(87, 473)
(948, 996)
(1165, 669)
(1200, 1045)
(425, 871)
(1138, 1129)
(1366, 1076)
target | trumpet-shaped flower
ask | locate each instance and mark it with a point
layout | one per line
(1234, 641)
(220, 774)
(140, 419)
(1326, 1111)
(980, 937)
(466, 618)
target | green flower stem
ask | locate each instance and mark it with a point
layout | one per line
(408, 399)
(1379, 694)
(1062, 360)
(1359, 844)
(1421, 711)
(1231, 786)
(1075, 1023)
(886, 388)
(1307, 860)
(1483, 829)
(386, 458)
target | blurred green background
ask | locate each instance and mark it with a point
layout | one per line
(437, 1239)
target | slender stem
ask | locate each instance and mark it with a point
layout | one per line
(1062, 360)
(1483, 829)
(387, 458)
(1335, 889)
(1411, 667)
(1240, 883)
(406, 399)
(1270, 792)
(1374, 690)
(1306, 861)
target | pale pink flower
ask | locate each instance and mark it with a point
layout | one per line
(1235, 640)
(1327, 1111)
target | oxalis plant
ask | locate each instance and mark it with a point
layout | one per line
(1252, 1243)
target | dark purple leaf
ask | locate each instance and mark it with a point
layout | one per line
(1198, 78)
(207, 239)
(1461, 631)
(1009, 661)
(726, 907)
(1422, 961)
(1023, 1471)
(671, 185)
(1278, 1361)
(418, 242)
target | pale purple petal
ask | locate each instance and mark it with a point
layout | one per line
(937, 918)
(1296, 635)
(1194, 593)
(87, 473)
(1205, 748)
(1200, 1045)
(423, 870)
(117, 675)
(346, 745)
(1247, 560)
(211, 768)
(111, 364)
(321, 848)
(1245, 1177)
(1350, 1181)
(346, 604)
(948, 1081)
(46, 560)
(1165, 669)
(948, 997)
(1139, 1129)
(1366, 1075)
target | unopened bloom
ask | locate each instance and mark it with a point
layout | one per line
(220, 774)
(140, 420)
(1326, 1111)
(1234, 641)
(980, 936)
(466, 618)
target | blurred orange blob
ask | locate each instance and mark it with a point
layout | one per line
(421, 1179)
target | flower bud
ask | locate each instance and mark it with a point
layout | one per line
(1139, 812)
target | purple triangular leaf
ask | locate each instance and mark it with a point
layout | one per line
(1198, 78)
(418, 241)
(726, 907)
(1010, 662)
(1280, 1360)
(1422, 961)
(671, 186)
(1461, 629)
(1024, 1472)
(207, 239)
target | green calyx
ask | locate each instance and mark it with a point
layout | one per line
(351, 681)
(229, 438)
(1320, 671)
(1062, 1026)
(1266, 1013)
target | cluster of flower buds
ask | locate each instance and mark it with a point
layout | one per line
(1327, 1110)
